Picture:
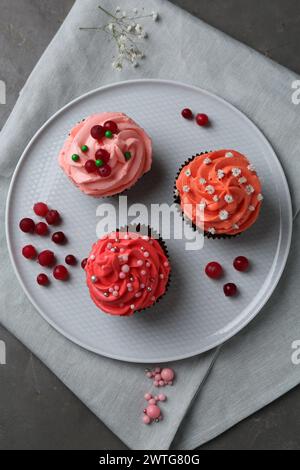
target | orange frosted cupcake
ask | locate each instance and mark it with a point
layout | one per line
(219, 192)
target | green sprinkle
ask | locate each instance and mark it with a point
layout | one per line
(99, 163)
(108, 134)
(75, 157)
(127, 156)
(84, 148)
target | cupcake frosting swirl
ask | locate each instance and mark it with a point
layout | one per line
(126, 272)
(124, 172)
(220, 192)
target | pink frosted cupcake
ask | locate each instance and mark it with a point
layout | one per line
(106, 154)
(127, 272)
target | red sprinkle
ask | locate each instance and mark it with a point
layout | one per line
(241, 263)
(52, 217)
(103, 155)
(97, 132)
(83, 263)
(42, 279)
(40, 209)
(41, 228)
(214, 270)
(46, 258)
(59, 238)
(111, 126)
(29, 252)
(71, 260)
(187, 113)
(104, 171)
(202, 119)
(90, 166)
(230, 289)
(60, 272)
(27, 225)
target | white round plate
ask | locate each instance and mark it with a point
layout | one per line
(195, 315)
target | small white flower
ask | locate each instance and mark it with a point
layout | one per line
(228, 198)
(110, 26)
(235, 226)
(236, 171)
(229, 155)
(251, 167)
(211, 230)
(249, 189)
(186, 189)
(176, 193)
(188, 172)
(216, 198)
(223, 215)
(138, 28)
(207, 161)
(220, 174)
(155, 16)
(251, 208)
(129, 28)
(117, 65)
(260, 197)
(242, 180)
(202, 180)
(118, 9)
(210, 189)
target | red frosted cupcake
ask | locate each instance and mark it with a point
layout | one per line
(219, 192)
(127, 272)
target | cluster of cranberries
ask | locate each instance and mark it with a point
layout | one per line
(201, 119)
(162, 377)
(100, 164)
(46, 258)
(215, 271)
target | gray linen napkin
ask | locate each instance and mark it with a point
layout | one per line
(253, 368)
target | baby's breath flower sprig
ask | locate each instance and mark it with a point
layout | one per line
(127, 32)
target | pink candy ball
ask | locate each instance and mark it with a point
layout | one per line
(146, 419)
(152, 401)
(161, 383)
(157, 377)
(153, 411)
(162, 397)
(149, 375)
(167, 374)
(155, 383)
(157, 370)
(148, 396)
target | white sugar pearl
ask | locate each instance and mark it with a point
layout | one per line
(143, 273)
(140, 262)
(125, 268)
(115, 293)
(94, 279)
(132, 307)
(138, 294)
(146, 254)
(142, 286)
(122, 275)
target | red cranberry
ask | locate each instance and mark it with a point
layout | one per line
(59, 238)
(27, 225)
(42, 279)
(202, 119)
(60, 272)
(29, 252)
(71, 260)
(104, 171)
(41, 228)
(97, 132)
(230, 289)
(187, 113)
(83, 263)
(241, 263)
(214, 270)
(90, 166)
(40, 209)
(46, 258)
(52, 217)
(111, 126)
(103, 155)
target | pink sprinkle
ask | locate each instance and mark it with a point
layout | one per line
(152, 401)
(149, 375)
(146, 254)
(156, 398)
(122, 275)
(157, 370)
(147, 396)
(153, 411)
(122, 250)
(139, 262)
(155, 383)
(161, 383)
(167, 374)
(129, 284)
(125, 268)
(137, 295)
(166, 263)
(110, 290)
(148, 264)
(143, 273)
(117, 287)
(142, 286)
(157, 377)
(115, 293)
(162, 397)
(146, 419)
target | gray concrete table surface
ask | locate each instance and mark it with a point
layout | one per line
(36, 410)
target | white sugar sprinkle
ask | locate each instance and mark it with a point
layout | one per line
(229, 155)
(207, 161)
(186, 189)
(236, 171)
(260, 197)
(228, 198)
(210, 189)
(223, 215)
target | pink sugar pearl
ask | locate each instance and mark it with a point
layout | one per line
(149, 375)
(152, 401)
(146, 419)
(122, 275)
(153, 411)
(161, 383)
(147, 396)
(162, 397)
(167, 374)
(157, 377)
(157, 370)
(155, 383)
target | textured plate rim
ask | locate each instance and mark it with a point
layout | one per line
(241, 325)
